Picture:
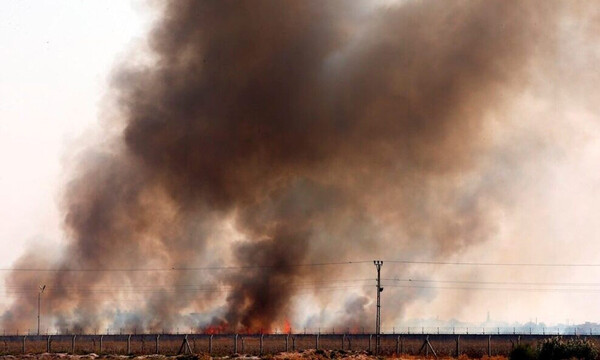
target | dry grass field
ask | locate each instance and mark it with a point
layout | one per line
(445, 346)
(298, 355)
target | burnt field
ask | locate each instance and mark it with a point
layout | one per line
(472, 346)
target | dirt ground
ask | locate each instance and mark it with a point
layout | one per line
(302, 355)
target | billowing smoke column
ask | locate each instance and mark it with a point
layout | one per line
(316, 131)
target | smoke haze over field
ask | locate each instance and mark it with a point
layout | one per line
(278, 133)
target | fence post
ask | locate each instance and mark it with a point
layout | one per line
(129, 344)
(370, 337)
(48, 343)
(343, 341)
(24, 337)
(210, 344)
(260, 350)
(398, 345)
(349, 342)
(317, 342)
(458, 346)
(293, 343)
(490, 345)
(73, 344)
(235, 339)
(287, 343)
(101, 337)
(156, 344)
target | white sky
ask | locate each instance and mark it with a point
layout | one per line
(55, 59)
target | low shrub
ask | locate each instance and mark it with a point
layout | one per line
(523, 352)
(557, 348)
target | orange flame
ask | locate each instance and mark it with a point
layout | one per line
(215, 329)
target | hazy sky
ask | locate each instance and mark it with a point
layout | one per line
(55, 62)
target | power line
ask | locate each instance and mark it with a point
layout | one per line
(497, 288)
(184, 286)
(308, 290)
(207, 287)
(306, 286)
(317, 264)
(193, 291)
(205, 268)
(494, 282)
(460, 263)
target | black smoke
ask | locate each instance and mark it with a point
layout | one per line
(320, 130)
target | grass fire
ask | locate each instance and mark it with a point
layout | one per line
(252, 160)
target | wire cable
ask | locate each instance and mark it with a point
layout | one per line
(205, 268)
(459, 263)
(528, 283)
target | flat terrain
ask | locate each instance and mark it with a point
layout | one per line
(473, 346)
(301, 355)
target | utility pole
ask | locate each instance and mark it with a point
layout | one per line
(378, 265)
(40, 305)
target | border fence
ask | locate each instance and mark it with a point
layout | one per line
(454, 345)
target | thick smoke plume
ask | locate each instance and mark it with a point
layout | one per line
(279, 133)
